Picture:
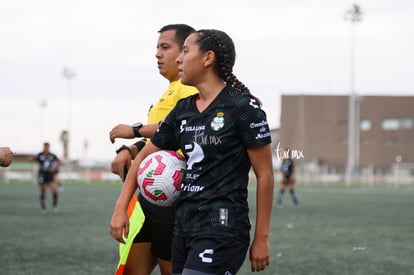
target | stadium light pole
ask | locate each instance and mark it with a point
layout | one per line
(42, 106)
(69, 74)
(354, 15)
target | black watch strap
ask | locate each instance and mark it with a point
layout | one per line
(123, 147)
(135, 128)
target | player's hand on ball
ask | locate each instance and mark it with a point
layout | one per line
(6, 156)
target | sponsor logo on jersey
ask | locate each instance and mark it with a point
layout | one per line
(253, 103)
(224, 216)
(191, 176)
(258, 124)
(192, 188)
(201, 139)
(195, 128)
(185, 128)
(204, 256)
(195, 153)
(218, 122)
(182, 126)
(264, 135)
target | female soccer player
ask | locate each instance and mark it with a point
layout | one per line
(49, 165)
(222, 132)
(288, 181)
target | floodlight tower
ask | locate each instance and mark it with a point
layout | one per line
(42, 106)
(68, 74)
(354, 15)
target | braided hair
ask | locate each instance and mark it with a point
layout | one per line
(223, 47)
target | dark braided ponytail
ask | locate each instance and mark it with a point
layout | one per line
(222, 45)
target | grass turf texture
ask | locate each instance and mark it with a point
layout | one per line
(337, 230)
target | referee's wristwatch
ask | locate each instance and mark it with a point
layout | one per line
(136, 127)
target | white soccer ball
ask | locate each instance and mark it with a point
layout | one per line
(159, 177)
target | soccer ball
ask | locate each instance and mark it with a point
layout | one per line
(159, 177)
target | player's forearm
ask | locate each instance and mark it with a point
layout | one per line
(128, 190)
(129, 187)
(148, 130)
(264, 202)
(130, 184)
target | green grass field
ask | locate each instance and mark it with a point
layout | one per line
(337, 230)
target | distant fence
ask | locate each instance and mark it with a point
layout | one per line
(399, 174)
(86, 175)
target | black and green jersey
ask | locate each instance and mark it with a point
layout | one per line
(47, 162)
(213, 200)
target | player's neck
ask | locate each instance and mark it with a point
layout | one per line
(210, 90)
(207, 95)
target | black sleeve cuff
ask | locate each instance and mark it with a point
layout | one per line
(140, 144)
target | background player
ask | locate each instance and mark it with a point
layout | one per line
(288, 179)
(48, 166)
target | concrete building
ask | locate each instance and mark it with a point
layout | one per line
(318, 126)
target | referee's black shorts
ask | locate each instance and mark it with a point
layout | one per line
(157, 228)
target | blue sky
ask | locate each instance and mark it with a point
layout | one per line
(283, 47)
